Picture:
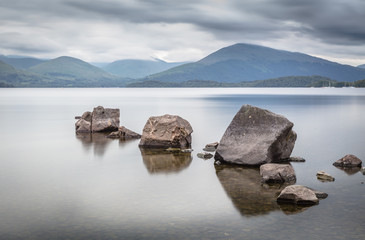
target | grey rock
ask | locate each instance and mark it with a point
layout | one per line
(124, 133)
(326, 177)
(298, 194)
(211, 147)
(189, 150)
(362, 170)
(205, 155)
(256, 136)
(319, 195)
(277, 173)
(348, 161)
(104, 119)
(166, 131)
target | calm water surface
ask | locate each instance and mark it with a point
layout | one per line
(55, 184)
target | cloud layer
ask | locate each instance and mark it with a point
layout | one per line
(108, 30)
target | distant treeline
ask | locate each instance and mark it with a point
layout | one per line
(291, 82)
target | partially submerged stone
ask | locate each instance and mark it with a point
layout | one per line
(124, 133)
(105, 119)
(277, 173)
(205, 155)
(256, 136)
(348, 161)
(166, 131)
(296, 159)
(100, 120)
(298, 194)
(323, 176)
(211, 147)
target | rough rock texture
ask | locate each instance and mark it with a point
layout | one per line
(323, 176)
(298, 194)
(124, 133)
(166, 131)
(277, 173)
(105, 119)
(348, 161)
(256, 136)
(205, 155)
(100, 120)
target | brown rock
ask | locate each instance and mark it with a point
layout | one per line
(298, 194)
(166, 131)
(124, 133)
(326, 177)
(348, 161)
(105, 119)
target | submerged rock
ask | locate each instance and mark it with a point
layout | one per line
(124, 133)
(296, 159)
(277, 173)
(256, 136)
(205, 155)
(323, 176)
(166, 131)
(298, 194)
(348, 161)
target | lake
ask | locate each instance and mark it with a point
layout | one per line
(55, 184)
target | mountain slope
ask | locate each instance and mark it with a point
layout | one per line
(361, 66)
(21, 62)
(134, 68)
(246, 62)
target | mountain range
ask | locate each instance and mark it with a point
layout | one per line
(240, 65)
(246, 62)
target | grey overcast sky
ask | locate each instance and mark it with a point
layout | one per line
(108, 30)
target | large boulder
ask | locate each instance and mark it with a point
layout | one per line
(277, 173)
(256, 136)
(100, 120)
(298, 194)
(105, 119)
(348, 161)
(167, 131)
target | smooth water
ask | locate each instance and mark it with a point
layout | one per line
(55, 184)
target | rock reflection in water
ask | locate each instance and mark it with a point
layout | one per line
(160, 161)
(250, 197)
(97, 141)
(349, 170)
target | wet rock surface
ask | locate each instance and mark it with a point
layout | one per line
(166, 131)
(205, 155)
(277, 173)
(211, 147)
(256, 136)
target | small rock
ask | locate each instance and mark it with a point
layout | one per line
(124, 133)
(326, 177)
(296, 159)
(362, 170)
(277, 173)
(77, 117)
(348, 161)
(205, 155)
(189, 150)
(320, 195)
(211, 147)
(298, 194)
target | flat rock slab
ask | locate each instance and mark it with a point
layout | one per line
(348, 161)
(124, 133)
(323, 176)
(256, 136)
(298, 194)
(277, 173)
(211, 147)
(167, 131)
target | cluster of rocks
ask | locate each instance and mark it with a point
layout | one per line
(255, 137)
